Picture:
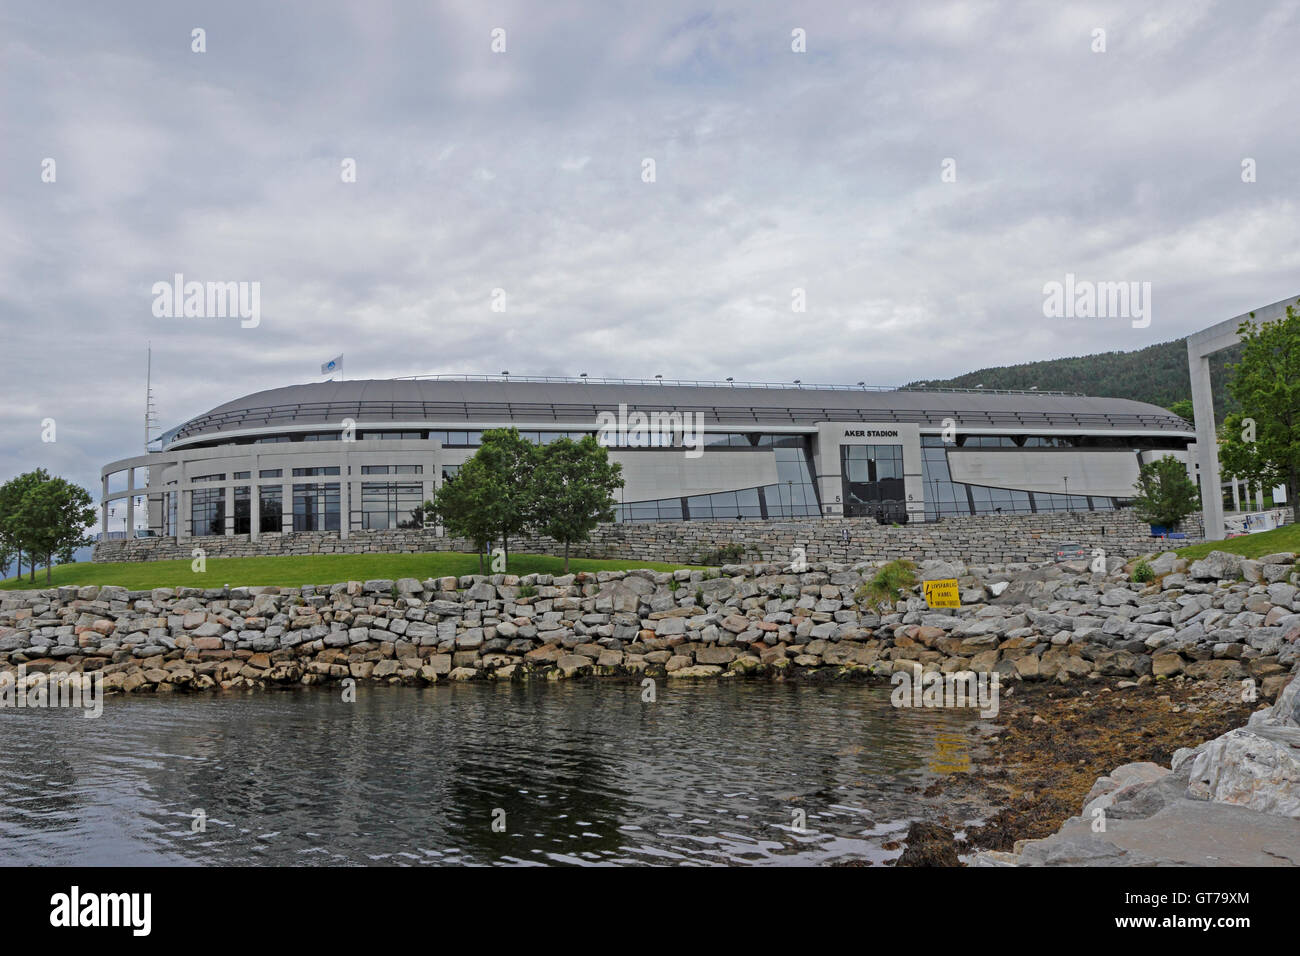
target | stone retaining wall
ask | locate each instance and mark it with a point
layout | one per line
(985, 539)
(1221, 617)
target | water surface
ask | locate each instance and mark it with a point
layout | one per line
(585, 772)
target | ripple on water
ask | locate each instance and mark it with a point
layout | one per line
(585, 773)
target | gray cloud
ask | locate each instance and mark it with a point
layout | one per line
(522, 171)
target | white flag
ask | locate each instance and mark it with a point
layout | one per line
(332, 366)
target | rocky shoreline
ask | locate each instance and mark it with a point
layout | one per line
(1221, 618)
(1233, 800)
(1121, 669)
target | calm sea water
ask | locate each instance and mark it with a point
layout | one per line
(586, 774)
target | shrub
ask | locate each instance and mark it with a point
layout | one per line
(527, 591)
(1142, 572)
(885, 585)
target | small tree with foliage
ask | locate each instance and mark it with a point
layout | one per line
(12, 527)
(574, 490)
(54, 516)
(1240, 458)
(512, 460)
(1183, 409)
(466, 505)
(1266, 383)
(1165, 495)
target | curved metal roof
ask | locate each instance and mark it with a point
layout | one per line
(451, 402)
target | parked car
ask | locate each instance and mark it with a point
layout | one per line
(1070, 551)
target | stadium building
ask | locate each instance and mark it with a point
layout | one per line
(355, 456)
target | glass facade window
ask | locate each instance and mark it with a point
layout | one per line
(449, 472)
(315, 472)
(271, 473)
(943, 496)
(727, 440)
(872, 477)
(319, 436)
(458, 439)
(392, 469)
(636, 438)
(272, 440)
(270, 503)
(391, 505)
(393, 436)
(207, 511)
(242, 475)
(208, 478)
(316, 506)
(243, 508)
(794, 495)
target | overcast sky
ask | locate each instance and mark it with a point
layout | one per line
(523, 171)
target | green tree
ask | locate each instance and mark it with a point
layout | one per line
(1239, 455)
(574, 490)
(52, 518)
(512, 460)
(11, 525)
(1266, 384)
(466, 505)
(1184, 410)
(1165, 495)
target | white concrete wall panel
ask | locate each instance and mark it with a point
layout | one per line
(1100, 472)
(651, 475)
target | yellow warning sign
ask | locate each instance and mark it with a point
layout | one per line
(942, 593)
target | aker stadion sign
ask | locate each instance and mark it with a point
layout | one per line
(942, 593)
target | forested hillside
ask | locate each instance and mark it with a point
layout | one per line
(1155, 374)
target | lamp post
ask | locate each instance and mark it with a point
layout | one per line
(1067, 492)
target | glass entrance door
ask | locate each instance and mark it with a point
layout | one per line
(873, 482)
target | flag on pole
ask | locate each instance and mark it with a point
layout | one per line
(332, 366)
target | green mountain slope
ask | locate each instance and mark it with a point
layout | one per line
(1156, 374)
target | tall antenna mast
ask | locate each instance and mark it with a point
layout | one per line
(150, 416)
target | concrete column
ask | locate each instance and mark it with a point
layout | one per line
(130, 503)
(103, 509)
(286, 506)
(345, 497)
(1207, 445)
(254, 501)
(229, 523)
(183, 499)
(1236, 501)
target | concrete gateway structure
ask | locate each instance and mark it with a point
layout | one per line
(357, 456)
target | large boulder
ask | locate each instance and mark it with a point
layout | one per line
(1249, 770)
(1216, 566)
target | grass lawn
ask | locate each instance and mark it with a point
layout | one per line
(1286, 538)
(294, 571)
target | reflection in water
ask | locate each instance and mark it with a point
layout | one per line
(586, 773)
